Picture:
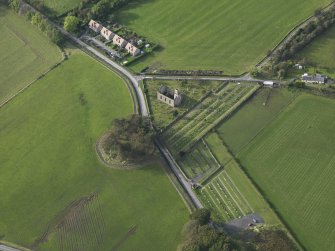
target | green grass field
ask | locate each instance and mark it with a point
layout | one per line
(223, 35)
(25, 53)
(322, 51)
(48, 161)
(61, 6)
(292, 161)
(241, 128)
(230, 194)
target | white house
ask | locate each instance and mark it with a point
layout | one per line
(316, 79)
(134, 51)
(95, 26)
(107, 34)
(119, 41)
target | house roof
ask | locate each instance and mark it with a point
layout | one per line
(94, 25)
(131, 48)
(314, 78)
(106, 33)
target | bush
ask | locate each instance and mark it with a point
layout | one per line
(71, 24)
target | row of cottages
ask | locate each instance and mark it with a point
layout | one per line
(109, 35)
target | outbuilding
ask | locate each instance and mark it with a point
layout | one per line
(268, 83)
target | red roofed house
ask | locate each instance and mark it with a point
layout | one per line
(134, 51)
(95, 26)
(107, 34)
(119, 41)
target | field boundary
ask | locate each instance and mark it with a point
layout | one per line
(6, 101)
(267, 201)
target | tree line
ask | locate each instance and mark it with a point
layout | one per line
(38, 20)
(280, 62)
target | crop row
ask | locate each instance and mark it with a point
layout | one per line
(225, 198)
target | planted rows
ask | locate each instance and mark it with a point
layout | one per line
(223, 197)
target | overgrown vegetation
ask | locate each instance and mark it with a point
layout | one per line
(280, 62)
(130, 139)
(202, 234)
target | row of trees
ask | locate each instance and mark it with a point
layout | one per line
(39, 21)
(199, 234)
(281, 63)
(97, 9)
(130, 139)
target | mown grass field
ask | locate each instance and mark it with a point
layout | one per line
(256, 114)
(229, 193)
(321, 52)
(292, 161)
(223, 35)
(48, 161)
(25, 53)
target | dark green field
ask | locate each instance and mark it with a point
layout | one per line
(292, 161)
(48, 161)
(227, 35)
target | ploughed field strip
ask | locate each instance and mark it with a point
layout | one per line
(206, 115)
(199, 163)
(223, 198)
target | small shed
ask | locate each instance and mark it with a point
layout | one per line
(268, 83)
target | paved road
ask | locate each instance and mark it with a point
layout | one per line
(245, 78)
(187, 186)
(116, 66)
(6, 248)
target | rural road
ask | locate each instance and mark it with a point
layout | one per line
(172, 163)
(6, 248)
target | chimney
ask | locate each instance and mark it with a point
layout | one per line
(176, 93)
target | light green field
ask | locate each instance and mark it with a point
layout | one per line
(61, 6)
(322, 51)
(223, 35)
(25, 53)
(292, 161)
(48, 160)
(241, 128)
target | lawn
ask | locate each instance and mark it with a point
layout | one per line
(321, 52)
(227, 35)
(25, 53)
(247, 122)
(48, 161)
(292, 161)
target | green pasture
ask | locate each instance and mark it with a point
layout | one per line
(48, 160)
(25, 53)
(292, 161)
(227, 35)
(321, 52)
(253, 116)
